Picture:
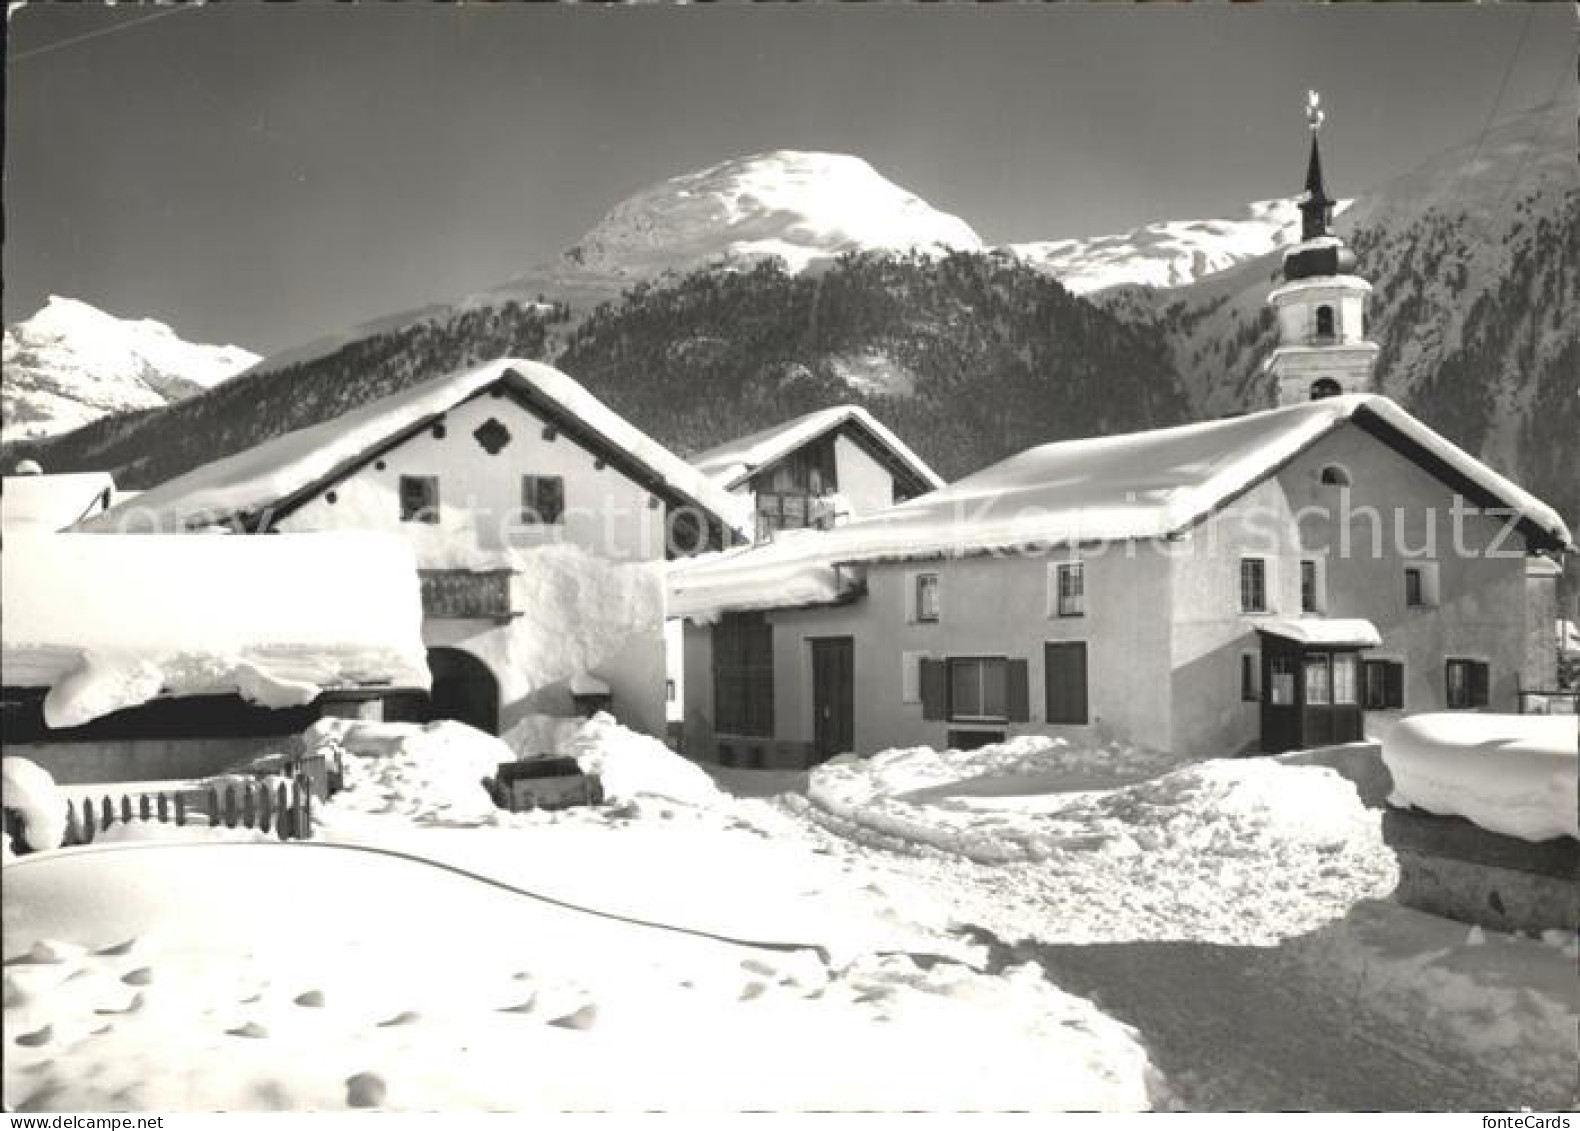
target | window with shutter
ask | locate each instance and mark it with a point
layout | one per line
(1017, 693)
(1468, 684)
(1064, 679)
(542, 499)
(978, 688)
(419, 498)
(1384, 685)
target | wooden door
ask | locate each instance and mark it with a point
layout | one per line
(1281, 695)
(833, 696)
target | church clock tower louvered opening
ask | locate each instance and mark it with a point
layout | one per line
(1322, 348)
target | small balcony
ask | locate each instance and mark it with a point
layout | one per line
(794, 511)
(461, 594)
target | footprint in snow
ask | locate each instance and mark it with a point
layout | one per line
(365, 1089)
(584, 1018)
(130, 1007)
(311, 999)
(405, 1017)
(522, 1007)
(753, 990)
(117, 950)
(45, 952)
(37, 1037)
(139, 977)
(251, 1029)
(13, 993)
(757, 966)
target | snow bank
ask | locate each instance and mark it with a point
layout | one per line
(630, 765)
(28, 789)
(1238, 850)
(112, 622)
(426, 775)
(1510, 774)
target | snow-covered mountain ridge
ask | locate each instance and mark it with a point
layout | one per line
(1168, 253)
(72, 363)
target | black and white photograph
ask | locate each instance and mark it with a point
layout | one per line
(790, 557)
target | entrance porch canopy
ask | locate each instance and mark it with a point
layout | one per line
(1322, 632)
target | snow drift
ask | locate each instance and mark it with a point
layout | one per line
(28, 790)
(1510, 774)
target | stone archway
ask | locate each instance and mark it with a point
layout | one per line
(1325, 387)
(464, 689)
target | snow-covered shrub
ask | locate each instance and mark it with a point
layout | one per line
(28, 790)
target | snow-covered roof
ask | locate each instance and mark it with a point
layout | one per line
(47, 503)
(1337, 632)
(1153, 484)
(107, 623)
(274, 475)
(730, 465)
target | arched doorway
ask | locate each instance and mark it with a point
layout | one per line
(1325, 387)
(463, 689)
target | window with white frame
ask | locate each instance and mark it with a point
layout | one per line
(1313, 586)
(1067, 589)
(1253, 585)
(924, 601)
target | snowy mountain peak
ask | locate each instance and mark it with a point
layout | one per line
(802, 207)
(1168, 253)
(72, 363)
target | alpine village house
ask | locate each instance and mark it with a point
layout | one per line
(539, 519)
(1294, 577)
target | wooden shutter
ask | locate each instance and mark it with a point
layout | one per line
(1064, 678)
(1393, 685)
(1017, 694)
(1479, 678)
(935, 689)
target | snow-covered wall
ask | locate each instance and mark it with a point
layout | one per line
(1510, 774)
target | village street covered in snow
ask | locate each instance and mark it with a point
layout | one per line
(1032, 926)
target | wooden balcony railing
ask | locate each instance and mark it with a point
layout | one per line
(469, 595)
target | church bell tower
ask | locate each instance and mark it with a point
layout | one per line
(1322, 348)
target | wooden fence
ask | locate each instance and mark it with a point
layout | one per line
(283, 809)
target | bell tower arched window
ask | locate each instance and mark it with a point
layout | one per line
(1325, 323)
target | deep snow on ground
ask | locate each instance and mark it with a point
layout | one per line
(317, 976)
(1147, 934)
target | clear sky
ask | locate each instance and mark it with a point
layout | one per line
(262, 175)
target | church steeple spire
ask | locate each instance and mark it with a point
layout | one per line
(1316, 207)
(1322, 349)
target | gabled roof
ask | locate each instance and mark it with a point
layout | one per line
(53, 502)
(1154, 484)
(732, 464)
(275, 477)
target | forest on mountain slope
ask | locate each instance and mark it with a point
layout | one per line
(991, 357)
